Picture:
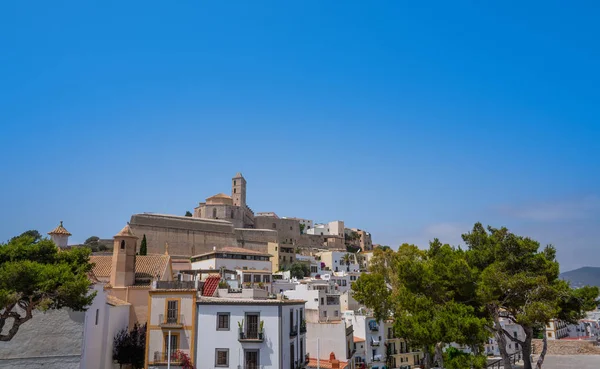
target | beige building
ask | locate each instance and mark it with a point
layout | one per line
(130, 276)
(282, 256)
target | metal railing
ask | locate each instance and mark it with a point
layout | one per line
(294, 331)
(163, 357)
(170, 320)
(499, 364)
(250, 335)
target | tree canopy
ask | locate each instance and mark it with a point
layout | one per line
(35, 275)
(144, 246)
(299, 270)
(129, 346)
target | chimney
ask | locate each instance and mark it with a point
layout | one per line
(335, 364)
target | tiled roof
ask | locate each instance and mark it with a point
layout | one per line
(358, 339)
(210, 285)
(126, 232)
(246, 301)
(325, 364)
(146, 267)
(220, 196)
(114, 301)
(60, 230)
(235, 250)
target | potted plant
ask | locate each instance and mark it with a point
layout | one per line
(241, 329)
(261, 285)
(261, 330)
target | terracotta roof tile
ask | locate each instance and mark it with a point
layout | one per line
(60, 230)
(220, 196)
(126, 232)
(325, 364)
(210, 285)
(146, 267)
(358, 339)
(114, 301)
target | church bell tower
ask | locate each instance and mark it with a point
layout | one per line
(238, 190)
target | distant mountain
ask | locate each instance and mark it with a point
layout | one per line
(583, 276)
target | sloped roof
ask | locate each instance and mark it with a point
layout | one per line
(235, 250)
(238, 175)
(220, 196)
(60, 230)
(126, 232)
(146, 267)
(325, 364)
(210, 285)
(114, 301)
(358, 339)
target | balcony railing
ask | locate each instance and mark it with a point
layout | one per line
(250, 335)
(294, 331)
(374, 342)
(303, 327)
(377, 358)
(163, 357)
(170, 321)
(374, 327)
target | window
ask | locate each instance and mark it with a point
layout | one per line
(325, 313)
(251, 359)
(267, 278)
(290, 228)
(235, 190)
(97, 313)
(234, 182)
(214, 213)
(252, 325)
(122, 244)
(247, 278)
(222, 357)
(335, 313)
(257, 278)
(222, 321)
(232, 214)
(322, 301)
(174, 347)
(274, 225)
(172, 306)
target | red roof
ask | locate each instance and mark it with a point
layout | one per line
(210, 285)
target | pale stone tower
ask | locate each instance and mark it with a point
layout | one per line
(60, 235)
(238, 190)
(123, 259)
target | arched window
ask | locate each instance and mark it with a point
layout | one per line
(214, 213)
(122, 244)
(234, 190)
(232, 214)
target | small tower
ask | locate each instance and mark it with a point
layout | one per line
(60, 236)
(123, 259)
(238, 190)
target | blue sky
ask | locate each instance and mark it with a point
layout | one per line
(410, 121)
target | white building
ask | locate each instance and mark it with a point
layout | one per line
(335, 228)
(308, 224)
(335, 261)
(232, 258)
(322, 300)
(224, 327)
(491, 347)
(372, 331)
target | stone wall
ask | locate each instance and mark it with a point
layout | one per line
(288, 230)
(186, 236)
(566, 347)
(51, 340)
(255, 239)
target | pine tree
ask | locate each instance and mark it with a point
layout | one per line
(143, 247)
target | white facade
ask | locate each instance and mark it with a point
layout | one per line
(314, 264)
(491, 347)
(335, 228)
(334, 261)
(232, 258)
(323, 338)
(372, 331)
(323, 303)
(280, 345)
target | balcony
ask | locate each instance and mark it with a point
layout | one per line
(303, 327)
(163, 358)
(294, 331)
(374, 342)
(169, 321)
(250, 335)
(373, 327)
(377, 358)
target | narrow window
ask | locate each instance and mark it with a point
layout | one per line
(222, 357)
(235, 190)
(172, 311)
(122, 244)
(97, 313)
(215, 213)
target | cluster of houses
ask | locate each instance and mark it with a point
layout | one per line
(228, 308)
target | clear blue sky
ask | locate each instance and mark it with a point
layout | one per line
(410, 121)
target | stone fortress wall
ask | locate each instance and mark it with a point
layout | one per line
(222, 221)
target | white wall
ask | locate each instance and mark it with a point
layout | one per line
(117, 318)
(232, 264)
(94, 339)
(328, 337)
(362, 330)
(274, 351)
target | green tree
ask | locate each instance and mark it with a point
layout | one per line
(93, 243)
(31, 233)
(129, 346)
(143, 246)
(188, 214)
(429, 294)
(299, 270)
(519, 281)
(302, 226)
(34, 275)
